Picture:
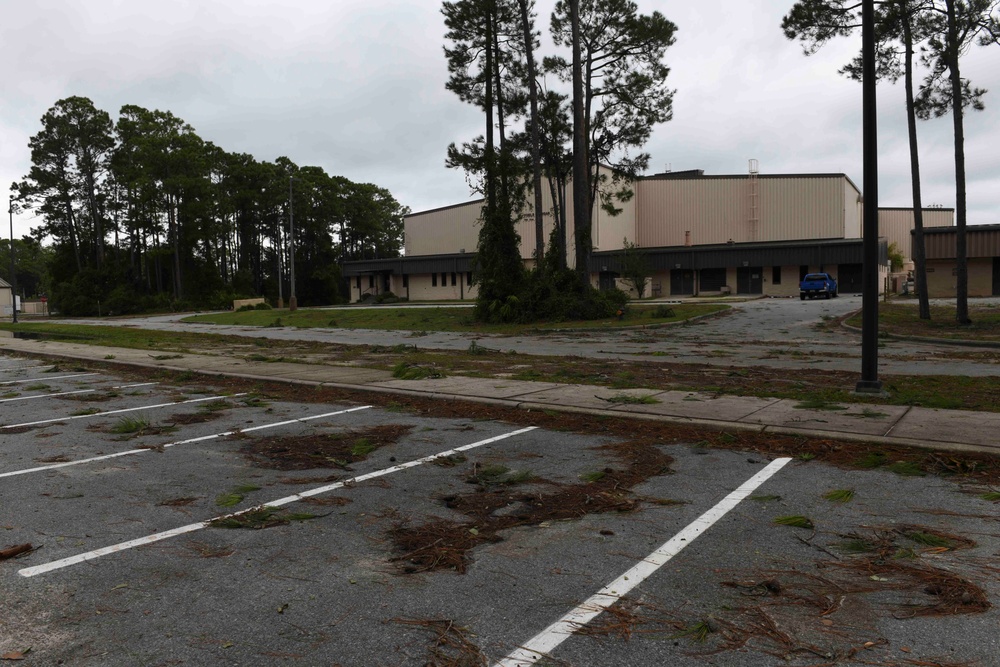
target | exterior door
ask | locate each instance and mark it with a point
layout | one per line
(996, 276)
(606, 280)
(849, 278)
(750, 280)
(681, 282)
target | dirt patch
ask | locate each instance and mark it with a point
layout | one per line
(177, 502)
(322, 450)
(96, 397)
(441, 544)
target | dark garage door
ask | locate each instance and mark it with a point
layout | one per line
(996, 276)
(712, 280)
(681, 282)
(750, 280)
(849, 278)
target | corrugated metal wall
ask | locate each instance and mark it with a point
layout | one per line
(895, 224)
(717, 209)
(443, 231)
(980, 243)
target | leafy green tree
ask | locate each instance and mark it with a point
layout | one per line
(636, 269)
(898, 26)
(483, 38)
(954, 26)
(620, 94)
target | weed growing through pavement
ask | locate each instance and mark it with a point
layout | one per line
(591, 477)
(795, 521)
(37, 387)
(763, 498)
(840, 495)
(993, 496)
(405, 371)
(626, 399)
(497, 475)
(10, 394)
(85, 412)
(131, 425)
(819, 404)
(215, 406)
(261, 517)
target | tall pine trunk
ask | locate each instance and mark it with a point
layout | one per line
(536, 161)
(581, 179)
(961, 252)
(919, 254)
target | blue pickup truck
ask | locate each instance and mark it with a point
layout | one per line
(818, 284)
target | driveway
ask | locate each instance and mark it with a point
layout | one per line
(778, 333)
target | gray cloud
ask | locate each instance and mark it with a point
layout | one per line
(357, 87)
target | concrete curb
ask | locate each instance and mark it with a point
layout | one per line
(710, 424)
(957, 342)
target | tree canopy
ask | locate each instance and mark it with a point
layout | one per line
(144, 214)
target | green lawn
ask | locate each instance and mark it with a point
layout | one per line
(440, 319)
(903, 319)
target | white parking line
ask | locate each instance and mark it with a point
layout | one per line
(58, 377)
(105, 457)
(70, 393)
(118, 412)
(551, 637)
(287, 500)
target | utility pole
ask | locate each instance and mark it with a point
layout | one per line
(13, 271)
(292, 303)
(869, 384)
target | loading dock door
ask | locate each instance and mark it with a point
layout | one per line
(607, 281)
(996, 276)
(849, 279)
(681, 282)
(750, 280)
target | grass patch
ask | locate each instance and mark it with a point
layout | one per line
(819, 404)
(840, 495)
(765, 498)
(591, 477)
(993, 496)
(130, 425)
(872, 460)
(904, 320)
(626, 399)
(363, 447)
(795, 521)
(37, 387)
(405, 371)
(907, 469)
(215, 406)
(261, 517)
(929, 539)
(498, 475)
(698, 632)
(229, 499)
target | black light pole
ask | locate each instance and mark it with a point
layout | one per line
(292, 303)
(13, 275)
(869, 383)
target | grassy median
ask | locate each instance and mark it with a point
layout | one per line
(903, 319)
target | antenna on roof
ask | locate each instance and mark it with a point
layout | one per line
(669, 167)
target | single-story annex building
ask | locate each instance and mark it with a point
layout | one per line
(749, 234)
(983, 257)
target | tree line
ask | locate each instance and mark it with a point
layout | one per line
(143, 214)
(932, 33)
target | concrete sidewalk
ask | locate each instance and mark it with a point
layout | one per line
(956, 430)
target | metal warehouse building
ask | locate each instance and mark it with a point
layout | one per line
(703, 235)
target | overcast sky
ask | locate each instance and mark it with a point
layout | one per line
(357, 87)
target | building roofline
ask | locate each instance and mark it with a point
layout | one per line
(445, 208)
(910, 208)
(953, 229)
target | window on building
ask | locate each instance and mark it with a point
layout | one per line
(468, 278)
(776, 275)
(434, 280)
(444, 279)
(453, 283)
(406, 280)
(371, 281)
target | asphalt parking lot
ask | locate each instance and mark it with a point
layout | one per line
(174, 522)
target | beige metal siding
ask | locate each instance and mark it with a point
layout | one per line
(853, 211)
(444, 231)
(984, 243)
(895, 225)
(717, 210)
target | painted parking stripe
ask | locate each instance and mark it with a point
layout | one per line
(105, 457)
(70, 393)
(58, 377)
(551, 637)
(118, 412)
(287, 500)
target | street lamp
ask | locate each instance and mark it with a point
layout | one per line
(13, 275)
(292, 303)
(869, 383)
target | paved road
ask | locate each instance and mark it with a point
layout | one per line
(781, 333)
